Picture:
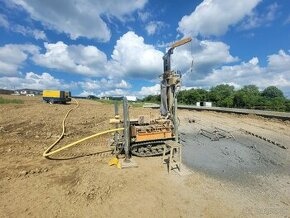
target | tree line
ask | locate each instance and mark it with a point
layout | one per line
(249, 96)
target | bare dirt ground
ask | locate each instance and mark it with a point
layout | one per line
(241, 177)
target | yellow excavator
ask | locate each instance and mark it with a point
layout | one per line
(142, 137)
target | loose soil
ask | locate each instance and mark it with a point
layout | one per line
(242, 176)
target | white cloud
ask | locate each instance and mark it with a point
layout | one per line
(39, 34)
(132, 57)
(254, 19)
(279, 62)
(81, 18)
(287, 21)
(87, 93)
(12, 57)
(153, 27)
(149, 90)
(114, 92)
(103, 85)
(84, 60)
(276, 73)
(101, 89)
(3, 21)
(144, 16)
(33, 81)
(243, 73)
(27, 31)
(214, 17)
(128, 59)
(198, 58)
(99, 93)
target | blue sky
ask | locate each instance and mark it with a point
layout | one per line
(109, 47)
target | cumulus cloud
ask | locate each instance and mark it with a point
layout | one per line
(111, 92)
(254, 19)
(84, 60)
(13, 56)
(104, 84)
(149, 90)
(114, 92)
(197, 59)
(153, 27)
(287, 21)
(143, 16)
(3, 21)
(279, 62)
(243, 73)
(214, 17)
(83, 18)
(132, 57)
(101, 87)
(32, 80)
(25, 31)
(276, 73)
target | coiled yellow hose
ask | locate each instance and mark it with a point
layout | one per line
(47, 152)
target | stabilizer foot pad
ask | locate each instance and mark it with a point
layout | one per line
(128, 163)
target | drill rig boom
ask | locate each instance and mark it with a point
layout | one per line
(170, 81)
(143, 137)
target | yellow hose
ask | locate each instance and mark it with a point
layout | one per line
(46, 153)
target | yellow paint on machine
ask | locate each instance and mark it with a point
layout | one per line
(53, 94)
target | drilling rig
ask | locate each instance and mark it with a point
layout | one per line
(145, 138)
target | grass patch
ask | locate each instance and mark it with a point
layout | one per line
(10, 101)
(137, 104)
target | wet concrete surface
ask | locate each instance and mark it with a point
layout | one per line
(240, 159)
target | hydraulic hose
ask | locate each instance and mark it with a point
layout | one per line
(47, 152)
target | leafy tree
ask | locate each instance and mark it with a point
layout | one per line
(152, 99)
(192, 96)
(203, 94)
(247, 97)
(287, 105)
(222, 95)
(251, 89)
(272, 92)
(277, 104)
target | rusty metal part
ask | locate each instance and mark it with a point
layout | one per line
(264, 138)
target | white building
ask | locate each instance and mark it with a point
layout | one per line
(204, 104)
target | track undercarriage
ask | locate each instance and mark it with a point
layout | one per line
(148, 149)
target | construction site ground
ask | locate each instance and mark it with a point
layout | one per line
(238, 176)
